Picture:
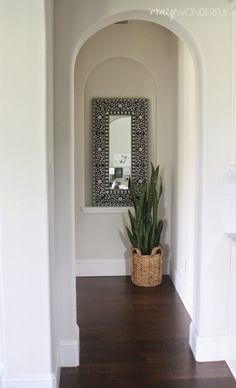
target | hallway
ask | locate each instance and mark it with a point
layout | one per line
(136, 337)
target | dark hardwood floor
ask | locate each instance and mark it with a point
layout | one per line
(136, 337)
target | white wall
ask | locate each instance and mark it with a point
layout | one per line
(1, 303)
(184, 174)
(64, 248)
(54, 300)
(23, 191)
(210, 313)
(231, 356)
(233, 154)
(137, 65)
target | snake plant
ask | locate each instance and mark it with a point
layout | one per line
(145, 231)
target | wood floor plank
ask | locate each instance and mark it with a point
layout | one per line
(136, 337)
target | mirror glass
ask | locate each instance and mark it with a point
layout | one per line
(119, 152)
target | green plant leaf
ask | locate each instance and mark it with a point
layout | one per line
(131, 238)
(132, 222)
(158, 231)
(146, 230)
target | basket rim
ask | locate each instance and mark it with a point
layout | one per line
(154, 252)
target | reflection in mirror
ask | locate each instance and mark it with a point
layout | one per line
(119, 152)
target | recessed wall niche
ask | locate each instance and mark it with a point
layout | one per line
(123, 60)
(115, 77)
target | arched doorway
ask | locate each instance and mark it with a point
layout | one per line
(193, 174)
(65, 123)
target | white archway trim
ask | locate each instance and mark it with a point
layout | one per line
(198, 60)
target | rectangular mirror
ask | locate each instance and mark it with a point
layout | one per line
(120, 134)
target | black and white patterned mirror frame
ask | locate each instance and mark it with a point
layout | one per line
(102, 108)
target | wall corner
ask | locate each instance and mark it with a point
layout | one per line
(69, 351)
(207, 349)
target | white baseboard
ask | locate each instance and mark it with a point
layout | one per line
(232, 366)
(69, 352)
(68, 357)
(207, 348)
(1, 373)
(58, 377)
(181, 289)
(102, 267)
(107, 267)
(44, 381)
(58, 368)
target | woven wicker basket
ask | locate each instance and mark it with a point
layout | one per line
(147, 269)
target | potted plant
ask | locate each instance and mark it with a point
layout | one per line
(145, 232)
